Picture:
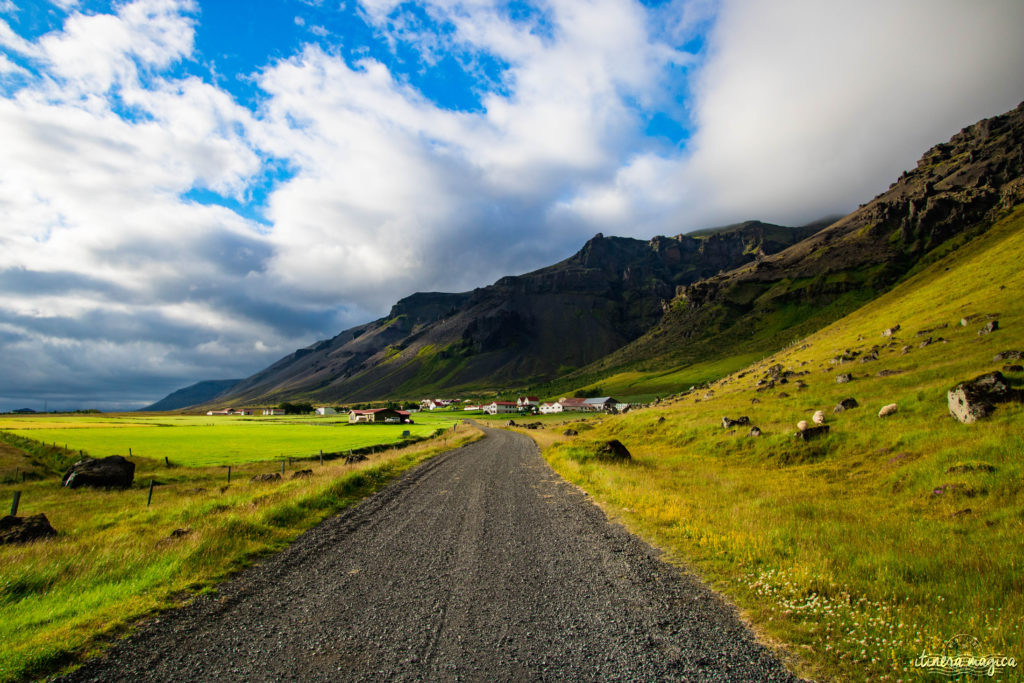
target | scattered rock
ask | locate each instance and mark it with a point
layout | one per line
(905, 350)
(302, 474)
(265, 478)
(802, 425)
(888, 410)
(727, 422)
(887, 373)
(114, 471)
(25, 529)
(510, 423)
(755, 400)
(925, 342)
(844, 405)
(976, 399)
(754, 431)
(180, 533)
(813, 433)
(890, 331)
(1009, 355)
(354, 458)
(783, 394)
(990, 326)
(1013, 368)
(613, 450)
(843, 378)
(661, 419)
(818, 418)
(961, 513)
(573, 432)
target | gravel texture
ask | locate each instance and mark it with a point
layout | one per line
(480, 564)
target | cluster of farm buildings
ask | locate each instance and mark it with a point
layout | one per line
(524, 404)
(369, 416)
(531, 404)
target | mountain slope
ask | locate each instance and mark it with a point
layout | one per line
(200, 392)
(956, 191)
(527, 327)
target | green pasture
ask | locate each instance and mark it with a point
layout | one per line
(200, 441)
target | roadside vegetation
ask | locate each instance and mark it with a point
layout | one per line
(860, 550)
(117, 559)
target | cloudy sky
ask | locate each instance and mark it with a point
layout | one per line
(191, 189)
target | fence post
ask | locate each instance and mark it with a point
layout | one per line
(321, 457)
(150, 498)
(167, 461)
(129, 451)
(282, 467)
(14, 503)
(229, 474)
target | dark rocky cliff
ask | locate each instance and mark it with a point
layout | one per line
(525, 327)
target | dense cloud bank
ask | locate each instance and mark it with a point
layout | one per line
(161, 228)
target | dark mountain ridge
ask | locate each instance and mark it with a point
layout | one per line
(526, 327)
(200, 392)
(957, 189)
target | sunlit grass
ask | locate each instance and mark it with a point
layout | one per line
(116, 559)
(215, 440)
(882, 540)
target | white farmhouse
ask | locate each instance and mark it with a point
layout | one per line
(497, 407)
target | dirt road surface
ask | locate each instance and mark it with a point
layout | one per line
(481, 564)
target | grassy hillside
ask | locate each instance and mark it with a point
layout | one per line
(885, 538)
(117, 559)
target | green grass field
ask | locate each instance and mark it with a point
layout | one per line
(199, 441)
(859, 551)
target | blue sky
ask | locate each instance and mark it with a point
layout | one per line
(191, 190)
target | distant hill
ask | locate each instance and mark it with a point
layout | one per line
(200, 392)
(530, 327)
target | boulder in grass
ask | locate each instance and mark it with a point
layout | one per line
(754, 431)
(572, 432)
(739, 421)
(844, 405)
(302, 474)
(812, 433)
(1013, 368)
(114, 471)
(976, 399)
(843, 378)
(1009, 355)
(265, 478)
(990, 326)
(25, 529)
(353, 458)
(613, 450)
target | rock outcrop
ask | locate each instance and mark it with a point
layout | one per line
(976, 399)
(25, 529)
(114, 471)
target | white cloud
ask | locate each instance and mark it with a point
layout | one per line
(798, 109)
(808, 108)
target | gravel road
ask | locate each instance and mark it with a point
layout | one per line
(481, 564)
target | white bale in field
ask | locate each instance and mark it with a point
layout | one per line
(819, 417)
(888, 410)
(801, 425)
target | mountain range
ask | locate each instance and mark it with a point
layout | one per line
(622, 311)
